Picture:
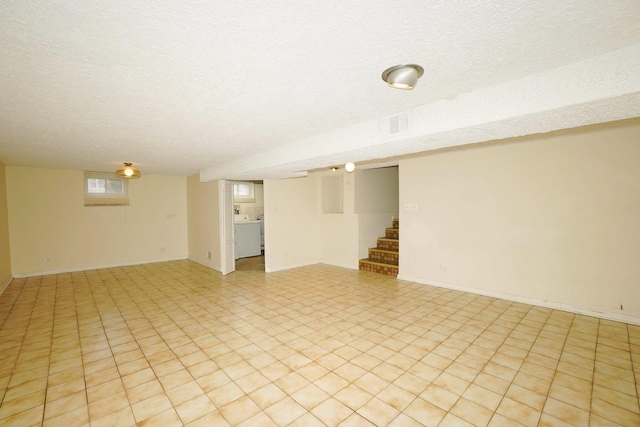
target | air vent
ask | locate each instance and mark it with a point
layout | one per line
(395, 125)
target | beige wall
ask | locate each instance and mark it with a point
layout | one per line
(203, 208)
(344, 238)
(339, 231)
(291, 222)
(5, 253)
(376, 201)
(48, 219)
(552, 219)
(377, 190)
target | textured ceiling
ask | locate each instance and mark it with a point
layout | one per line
(251, 89)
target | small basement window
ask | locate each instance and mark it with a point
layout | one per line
(105, 189)
(243, 192)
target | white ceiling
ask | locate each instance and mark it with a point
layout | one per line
(249, 89)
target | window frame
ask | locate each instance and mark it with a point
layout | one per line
(251, 198)
(105, 199)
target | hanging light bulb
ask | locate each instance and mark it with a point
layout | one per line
(128, 171)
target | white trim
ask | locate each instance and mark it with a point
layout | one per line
(337, 264)
(288, 267)
(618, 317)
(227, 229)
(90, 267)
(221, 230)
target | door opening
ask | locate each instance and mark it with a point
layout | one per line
(248, 214)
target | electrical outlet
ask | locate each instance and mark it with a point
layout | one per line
(410, 207)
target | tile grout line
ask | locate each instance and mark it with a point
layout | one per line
(528, 352)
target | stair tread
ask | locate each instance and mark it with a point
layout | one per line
(377, 261)
(387, 249)
(391, 251)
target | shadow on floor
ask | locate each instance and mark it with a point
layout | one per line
(252, 263)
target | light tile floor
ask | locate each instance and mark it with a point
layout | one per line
(175, 343)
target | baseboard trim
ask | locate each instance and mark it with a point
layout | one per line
(288, 267)
(92, 267)
(618, 317)
(337, 264)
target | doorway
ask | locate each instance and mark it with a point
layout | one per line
(248, 214)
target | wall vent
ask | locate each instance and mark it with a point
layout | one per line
(395, 124)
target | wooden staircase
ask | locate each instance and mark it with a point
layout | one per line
(384, 258)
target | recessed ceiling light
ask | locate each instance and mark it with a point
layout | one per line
(404, 76)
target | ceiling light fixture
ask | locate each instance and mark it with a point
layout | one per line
(349, 167)
(404, 76)
(128, 171)
(334, 169)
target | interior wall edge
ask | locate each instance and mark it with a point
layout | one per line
(6, 283)
(219, 270)
(340, 264)
(618, 317)
(289, 267)
(87, 268)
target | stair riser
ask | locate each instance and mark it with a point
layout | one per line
(392, 245)
(392, 233)
(384, 256)
(388, 270)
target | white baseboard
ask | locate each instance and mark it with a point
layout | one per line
(288, 267)
(618, 317)
(337, 264)
(91, 267)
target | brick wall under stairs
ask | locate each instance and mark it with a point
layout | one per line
(384, 257)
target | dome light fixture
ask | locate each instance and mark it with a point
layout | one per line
(128, 171)
(404, 76)
(349, 167)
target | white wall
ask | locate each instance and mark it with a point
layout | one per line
(292, 235)
(5, 252)
(47, 218)
(552, 220)
(203, 214)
